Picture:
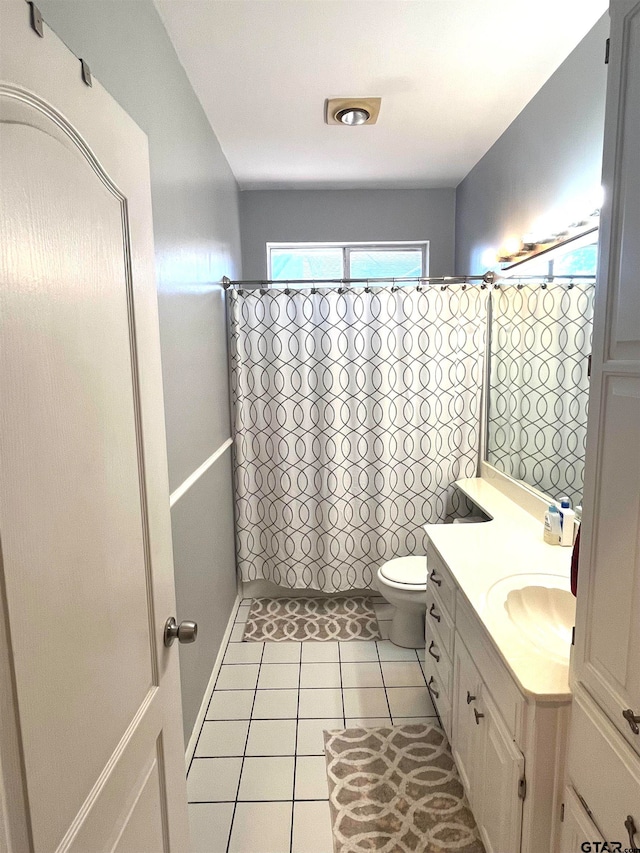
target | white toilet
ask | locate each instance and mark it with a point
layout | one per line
(403, 583)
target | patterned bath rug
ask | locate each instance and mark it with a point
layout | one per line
(279, 619)
(397, 790)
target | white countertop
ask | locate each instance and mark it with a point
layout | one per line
(480, 555)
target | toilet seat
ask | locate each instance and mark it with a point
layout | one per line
(408, 573)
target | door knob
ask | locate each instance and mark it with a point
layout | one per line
(478, 716)
(185, 632)
(470, 698)
(630, 826)
(433, 612)
(435, 692)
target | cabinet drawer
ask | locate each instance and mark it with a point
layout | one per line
(604, 771)
(439, 672)
(438, 625)
(441, 580)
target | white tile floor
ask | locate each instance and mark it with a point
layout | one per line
(257, 782)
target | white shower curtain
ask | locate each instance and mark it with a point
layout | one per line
(539, 387)
(354, 413)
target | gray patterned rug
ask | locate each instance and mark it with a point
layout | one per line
(279, 619)
(396, 790)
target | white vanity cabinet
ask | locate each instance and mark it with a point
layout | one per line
(490, 764)
(604, 754)
(508, 743)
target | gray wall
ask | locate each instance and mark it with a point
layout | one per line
(549, 156)
(346, 215)
(197, 241)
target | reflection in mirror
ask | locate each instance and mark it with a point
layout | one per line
(540, 341)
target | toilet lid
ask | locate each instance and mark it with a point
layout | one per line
(409, 570)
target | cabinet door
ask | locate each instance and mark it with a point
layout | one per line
(608, 619)
(466, 744)
(498, 800)
(577, 827)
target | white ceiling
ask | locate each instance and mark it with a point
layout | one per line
(452, 75)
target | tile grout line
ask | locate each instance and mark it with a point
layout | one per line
(217, 802)
(344, 713)
(246, 744)
(295, 753)
(386, 695)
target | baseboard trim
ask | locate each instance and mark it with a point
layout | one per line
(191, 746)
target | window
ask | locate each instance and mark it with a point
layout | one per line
(287, 262)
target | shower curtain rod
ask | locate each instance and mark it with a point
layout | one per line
(488, 278)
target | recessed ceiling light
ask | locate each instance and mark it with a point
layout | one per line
(352, 111)
(353, 115)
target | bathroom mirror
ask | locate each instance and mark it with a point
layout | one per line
(539, 347)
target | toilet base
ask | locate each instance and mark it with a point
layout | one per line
(407, 629)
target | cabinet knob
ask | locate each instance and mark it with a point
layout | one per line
(435, 578)
(432, 653)
(432, 612)
(633, 720)
(478, 716)
(435, 692)
(630, 826)
(470, 698)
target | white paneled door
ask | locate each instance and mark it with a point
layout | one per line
(91, 751)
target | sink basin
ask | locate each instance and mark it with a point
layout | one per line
(541, 607)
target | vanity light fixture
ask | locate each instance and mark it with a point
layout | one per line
(351, 112)
(516, 251)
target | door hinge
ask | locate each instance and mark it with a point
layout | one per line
(36, 20)
(573, 636)
(588, 366)
(522, 787)
(607, 45)
(562, 813)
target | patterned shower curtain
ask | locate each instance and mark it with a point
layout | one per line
(539, 387)
(355, 410)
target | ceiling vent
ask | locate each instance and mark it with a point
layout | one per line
(352, 112)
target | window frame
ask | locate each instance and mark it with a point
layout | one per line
(392, 245)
